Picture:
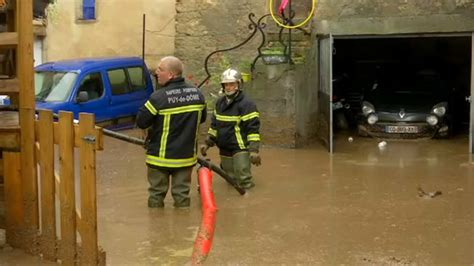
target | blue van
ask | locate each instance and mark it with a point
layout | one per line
(111, 88)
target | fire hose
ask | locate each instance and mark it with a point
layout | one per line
(203, 242)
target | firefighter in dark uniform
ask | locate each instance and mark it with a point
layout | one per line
(235, 127)
(172, 115)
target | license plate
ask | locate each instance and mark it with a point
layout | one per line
(401, 129)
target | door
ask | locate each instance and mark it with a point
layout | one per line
(324, 128)
(471, 130)
(129, 90)
(97, 102)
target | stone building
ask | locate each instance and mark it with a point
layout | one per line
(295, 99)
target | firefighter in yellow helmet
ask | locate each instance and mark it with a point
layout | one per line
(235, 129)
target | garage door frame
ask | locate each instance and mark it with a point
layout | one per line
(411, 35)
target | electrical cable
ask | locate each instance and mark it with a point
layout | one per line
(313, 7)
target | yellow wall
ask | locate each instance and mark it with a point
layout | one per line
(117, 30)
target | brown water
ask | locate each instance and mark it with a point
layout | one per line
(360, 206)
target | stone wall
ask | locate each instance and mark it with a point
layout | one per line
(273, 90)
(307, 97)
(117, 31)
(349, 17)
(203, 26)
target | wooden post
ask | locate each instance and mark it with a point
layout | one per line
(14, 199)
(67, 251)
(88, 225)
(27, 117)
(1, 168)
(48, 206)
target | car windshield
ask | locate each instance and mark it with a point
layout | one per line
(53, 86)
(423, 82)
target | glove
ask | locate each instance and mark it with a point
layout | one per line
(208, 142)
(203, 149)
(254, 146)
(255, 159)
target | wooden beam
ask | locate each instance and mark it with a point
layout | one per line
(8, 39)
(90, 249)
(14, 199)
(47, 182)
(67, 251)
(1, 168)
(8, 86)
(10, 141)
(9, 121)
(25, 73)
(9, 130)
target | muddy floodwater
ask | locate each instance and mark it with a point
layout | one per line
(409, 203)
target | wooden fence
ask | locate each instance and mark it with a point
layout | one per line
(66, 229)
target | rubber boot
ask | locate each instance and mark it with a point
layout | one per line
(242, 169)
(227, 165)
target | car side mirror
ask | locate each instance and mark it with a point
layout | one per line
(83, 96)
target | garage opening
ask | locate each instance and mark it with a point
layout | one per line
(381, 85)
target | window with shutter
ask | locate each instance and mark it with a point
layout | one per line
(88, 10)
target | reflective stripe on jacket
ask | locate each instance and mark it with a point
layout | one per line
(174, 113)
(235, 124)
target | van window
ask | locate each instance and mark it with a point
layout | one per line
(53, 86)
(137, 78)
(118, 81)
(93, 85)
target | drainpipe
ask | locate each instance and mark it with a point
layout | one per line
(290, 15)
(143, 37)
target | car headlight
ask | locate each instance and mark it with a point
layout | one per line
(439, 109)
(367, 108)
(372, 119)
(432, 120)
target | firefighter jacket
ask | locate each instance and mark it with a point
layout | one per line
(235, 124)
(174, 113)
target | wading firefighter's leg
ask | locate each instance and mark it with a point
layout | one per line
(180, 186)
(242, 169)
(227, 164)
(159, 184)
